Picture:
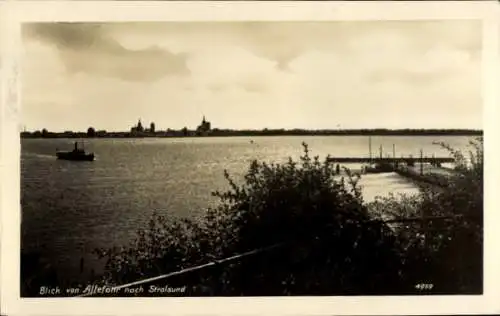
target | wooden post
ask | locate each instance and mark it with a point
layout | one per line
(421, 162)
(394, 155)
(370, 147)
(380, 151)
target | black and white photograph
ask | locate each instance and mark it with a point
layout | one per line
(238, 158)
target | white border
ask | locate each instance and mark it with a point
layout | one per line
(14, 13)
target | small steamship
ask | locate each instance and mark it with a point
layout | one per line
(77, 154)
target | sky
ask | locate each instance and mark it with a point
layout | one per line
(252, 75)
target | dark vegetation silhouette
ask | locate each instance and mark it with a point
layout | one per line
(450, 255)
(91, 132)
(330, 241)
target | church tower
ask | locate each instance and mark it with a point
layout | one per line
(139, 126)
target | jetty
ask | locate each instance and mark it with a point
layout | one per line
(406, 160)
(420, 169)
(426, 174)
(393, 160)
(425, 171)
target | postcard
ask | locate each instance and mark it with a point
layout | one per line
(249, 157)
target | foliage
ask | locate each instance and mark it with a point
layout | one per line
(91, 132)
(331, 242)
(323, 219)
(166, 245)
(450, 254)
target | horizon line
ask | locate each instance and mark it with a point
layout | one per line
(264, 129)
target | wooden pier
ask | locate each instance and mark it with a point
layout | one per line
(407, 160)
(404, 166)
(393, 160)
(433, 177)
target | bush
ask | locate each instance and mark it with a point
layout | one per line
(450, 254)
(330, 233)
(330, 243)
(36, 273)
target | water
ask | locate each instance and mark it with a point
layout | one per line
(70, 208)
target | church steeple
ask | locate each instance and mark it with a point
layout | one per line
(204, 127)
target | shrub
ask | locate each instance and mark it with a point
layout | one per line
(330, 241)
(166, 245)
(331, 244)
(36, 273)
(330, 232)
(450, 254)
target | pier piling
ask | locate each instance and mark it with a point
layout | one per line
(421, 162)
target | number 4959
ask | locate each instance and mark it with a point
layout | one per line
(424, 286)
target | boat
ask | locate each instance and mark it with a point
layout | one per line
(378, 167)
(77, 154)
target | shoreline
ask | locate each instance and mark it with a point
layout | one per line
(114, 135)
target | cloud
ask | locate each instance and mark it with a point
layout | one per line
(283, 42)
(254, 86)
(88, 48)
(300, 74)
(250, 85)
(220, 68)
(216, 87)
(438, 64)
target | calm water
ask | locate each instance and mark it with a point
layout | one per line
(69, 208)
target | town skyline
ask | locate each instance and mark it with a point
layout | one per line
(205, 129)
(253, 75)
(152, 127)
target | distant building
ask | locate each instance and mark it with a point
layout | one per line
(152, 127)
(138, 128)
(67, 134)
(204, 127)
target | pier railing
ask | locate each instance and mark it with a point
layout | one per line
(204, 277)
(407, 160)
